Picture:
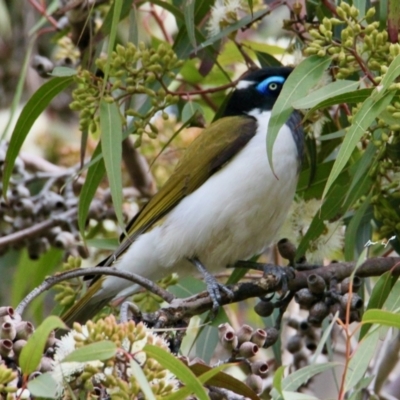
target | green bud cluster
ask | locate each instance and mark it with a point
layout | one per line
(360, 37)
(68, 290)
(132, 338)
(131, 71)
(150, 302)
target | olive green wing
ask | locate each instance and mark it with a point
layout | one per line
(214, 147)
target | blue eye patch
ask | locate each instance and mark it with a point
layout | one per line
(262, 87)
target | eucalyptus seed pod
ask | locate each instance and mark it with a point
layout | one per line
(42, 65)
(345, 285)
(24, 329)
(293, 323)
(24, 207)
(287, 250)
(272, 337)
(310, 343)
(255, 383)
(6, 347)
(46, 364)
(8, 331)
(244, 333)
(305, 298)
(316, 284)
(356, 302)
(6, 312)
(318, 312)
(227, 336)
(294, 344)
(18, 346)
(264, 308)
(258, 337)
(260, 368)
(64, 240)
(300, 360)
(248, 349)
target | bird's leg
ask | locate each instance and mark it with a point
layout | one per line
(282, 274)
(213, 287)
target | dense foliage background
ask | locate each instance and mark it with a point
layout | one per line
(99, 99)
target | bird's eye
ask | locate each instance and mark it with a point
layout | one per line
(273, 86)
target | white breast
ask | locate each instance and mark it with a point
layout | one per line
(234, 215)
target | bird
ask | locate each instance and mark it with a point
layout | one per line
(223, 203)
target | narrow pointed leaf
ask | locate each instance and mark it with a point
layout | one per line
(189, 20)
(181, 371)
(359, 361)
(361, 122)
(93, 178)
(381, 317)
(300, 81)
(33, 108)
(111, 144)
(32, 352)
(324, 93)
(142, 381)
(101, 351)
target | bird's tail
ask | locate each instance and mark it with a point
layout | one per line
(86, 307)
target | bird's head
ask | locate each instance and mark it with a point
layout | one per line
(257, 90)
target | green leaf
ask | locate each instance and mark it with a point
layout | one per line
(93, 178)
(180, 370)
(299, 82)
(246, 20)
(101, 351)
(358, 96)
(277, 382)
(20, 86)
(63, 71)
(379, 295)
(44, 386)
(33, 108)
(360, 360)
(293, 381)
(361, 122)
(188, 12)
(297, 396)
(142, 381)
(32, 352)
(392, 73)
(321, 343)
(381, 317)
(326, 92)
(111, 144)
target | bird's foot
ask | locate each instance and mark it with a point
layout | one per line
(214, 288)
(281, 274)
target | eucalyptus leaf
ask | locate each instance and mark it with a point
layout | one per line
(111, 144)
(359, 361)
(305, 76)
(32, 352)
(44, 386)
(101, 351)
(327, 92)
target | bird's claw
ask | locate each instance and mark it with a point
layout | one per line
(282, 274)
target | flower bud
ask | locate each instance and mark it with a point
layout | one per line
(258, 337)
(23, 394)
(255, 383)
(248, 349)
(244, 333)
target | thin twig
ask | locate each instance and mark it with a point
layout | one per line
(60, 277)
